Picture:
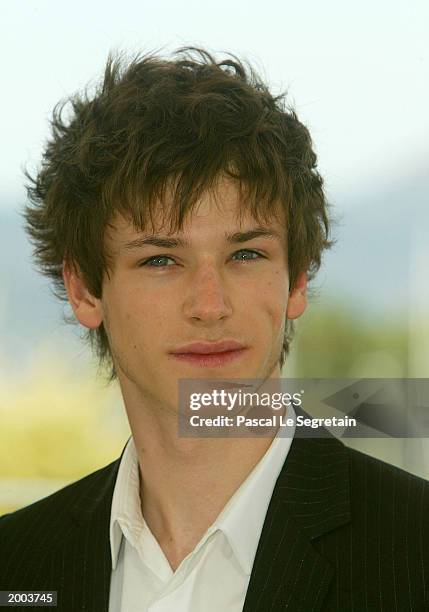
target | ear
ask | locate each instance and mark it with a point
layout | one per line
(86, 307)
(297, 302)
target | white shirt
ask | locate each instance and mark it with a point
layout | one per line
(215, 575)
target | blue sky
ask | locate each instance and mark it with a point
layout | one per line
(356, 72)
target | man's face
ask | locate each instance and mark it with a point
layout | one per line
(211, 288)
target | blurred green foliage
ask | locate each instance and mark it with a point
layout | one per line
(333, 342)
(55, 425)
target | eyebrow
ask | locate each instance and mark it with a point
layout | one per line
(169, 243)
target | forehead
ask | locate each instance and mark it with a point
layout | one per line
(218, 211)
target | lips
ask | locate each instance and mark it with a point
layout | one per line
(208, 348)
(210, 360)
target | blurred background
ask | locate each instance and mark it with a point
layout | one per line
(357, 74)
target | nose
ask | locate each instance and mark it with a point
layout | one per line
(207, 298)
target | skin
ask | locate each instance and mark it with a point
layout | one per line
(209, 290)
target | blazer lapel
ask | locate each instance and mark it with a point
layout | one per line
(311, 497)
(78, 565)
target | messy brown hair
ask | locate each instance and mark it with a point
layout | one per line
(153, 123)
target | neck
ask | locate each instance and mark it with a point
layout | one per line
(185, 482)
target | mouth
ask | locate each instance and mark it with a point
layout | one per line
(210, 359)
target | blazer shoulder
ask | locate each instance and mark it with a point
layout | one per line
(50, 509)
(373, 479)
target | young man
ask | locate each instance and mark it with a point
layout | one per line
(180, 212)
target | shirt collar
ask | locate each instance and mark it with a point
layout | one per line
(242, 518)
(126, 509)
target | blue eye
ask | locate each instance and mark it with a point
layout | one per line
(151, 261)
(249, 251)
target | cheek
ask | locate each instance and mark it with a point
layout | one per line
(275, 296)
(139, 315)
(121, 311)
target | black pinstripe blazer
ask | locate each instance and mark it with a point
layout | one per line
(343, 533)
